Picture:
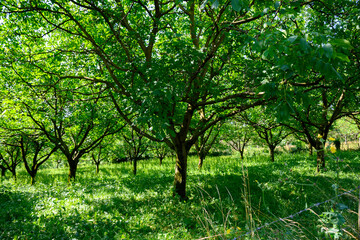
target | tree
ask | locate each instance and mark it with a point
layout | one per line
(161, 151)
(38, 150)
(99, 154)
(10, 155)
(179, 66)
(74, 117)
(205, 142)
(237, 134)
(136, 145)
(268, 129)
(77, 126)
(346, 130)
(320, 85)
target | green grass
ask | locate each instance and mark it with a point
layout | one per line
(117, 205)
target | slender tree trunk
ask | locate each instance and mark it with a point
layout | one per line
(134, 166)
(180, 171)
(310, 149)
(161, 160)
(201, 161)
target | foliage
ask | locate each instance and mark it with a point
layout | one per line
(181, 67)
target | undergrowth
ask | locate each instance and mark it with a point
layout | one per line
(228, 199)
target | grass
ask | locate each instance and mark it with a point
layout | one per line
(117, 205)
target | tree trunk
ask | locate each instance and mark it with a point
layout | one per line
(241, 154)
(320, 158)
(72, 170)
(13, 171)
(201, 161)
(97, 167)
(180, 171)
(161, 159)
(310, 149)
(272, 153)
(33, 175)
(3, 170)
(134, 166)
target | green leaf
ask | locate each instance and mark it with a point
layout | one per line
(236, 5)
(292, 39)
(277, 4)
(328, 50)
(265, 54)
(265, 11)
(341, 206)
(215, 4)
(342, 57)
(342, 43)
(204, 4)
(285, 67)
(304, 45)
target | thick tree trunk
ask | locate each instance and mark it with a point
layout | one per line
(180, 171)
(72, 170)
(33, 175)
(97, 167)
(242, 155)
(13, 172)
(272, 153)
(134, 166)
(3, 170)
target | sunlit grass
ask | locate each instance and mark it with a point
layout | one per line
(117, 205)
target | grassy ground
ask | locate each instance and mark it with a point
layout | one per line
(227, 199)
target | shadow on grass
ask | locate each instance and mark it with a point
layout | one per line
(17, 219)
(120, 205)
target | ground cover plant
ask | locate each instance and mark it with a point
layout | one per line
(228, 198)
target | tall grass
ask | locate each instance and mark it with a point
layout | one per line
(228, 198)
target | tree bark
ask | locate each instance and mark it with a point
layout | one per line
(201, 161)
(161, 160)
(3, 170)
(272, 153)
(13, 172)
(242, 154)
(134, 166)
(72, 169)
(320, 158)
(310, 150)
(33, 175)
(97, 167)
(181, 170)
